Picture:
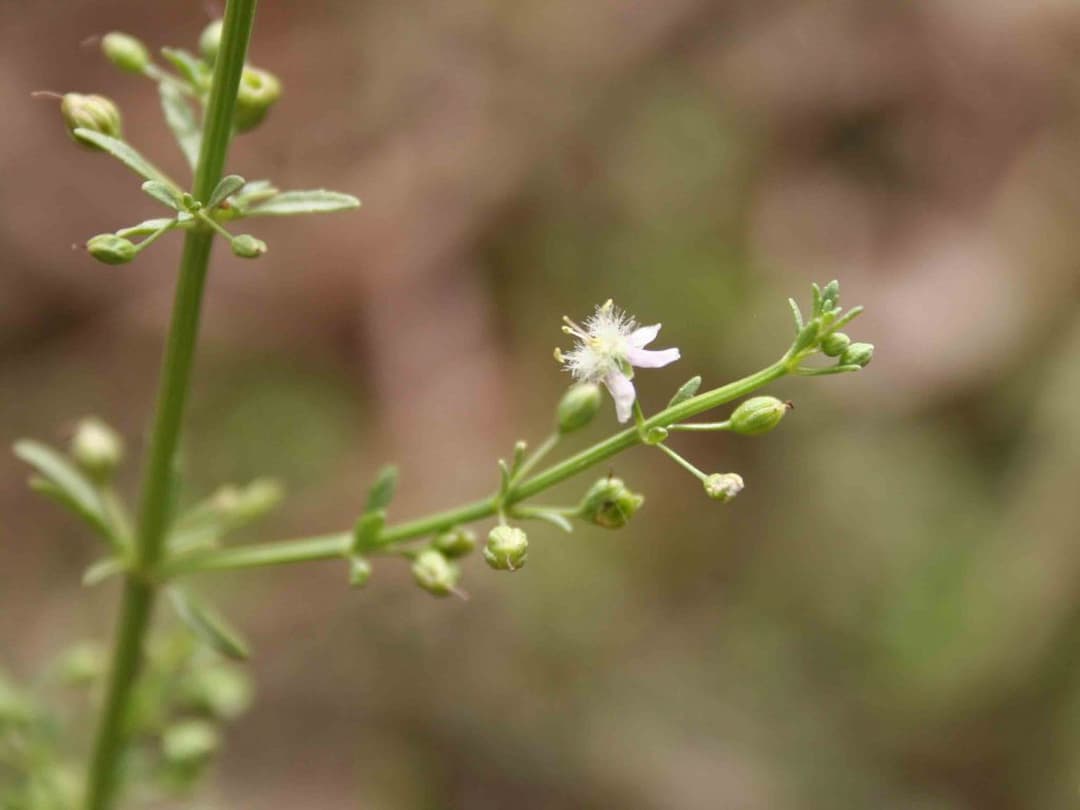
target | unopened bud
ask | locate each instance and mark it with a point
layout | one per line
(723, 486)
(578, 407)
(82, 664)
(507, 548)
(240, 505)
(92, 112)
(210, 41)
(125, 51)
(359, 572)
(457, 542)
(758, 415)
(610, 504)
(835, 344)
(190, 742)
(97, 449)
(434, 573)
(857, 354)
(109, 248)
(247, 246)
(257, 94)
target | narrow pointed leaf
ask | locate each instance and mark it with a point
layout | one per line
(43, 486)
(182, 121)
(847, 317)
(102, 570)
(382, 491)
(366, 534)
(162, 193)
(145, 228)
(186, 65)
(303, 202)
(686, 390)
(122, 152)
(796, 313)
(208, 625)
(229, 184)
(67, 484)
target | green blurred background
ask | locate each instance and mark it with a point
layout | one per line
(888, 617)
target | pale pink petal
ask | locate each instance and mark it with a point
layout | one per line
(642, 337)
(622, 391)
(644, 358)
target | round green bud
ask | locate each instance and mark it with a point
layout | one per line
(359, 572)
(109, 248)
(82, 664)
(457, 542)
(97, 449)
(93, 112)
(507, 548)
(247, 246)
(190, 742)
(835, 344)
(857, 354)
(434, 573)
(609, 503)
(723, 486)
(222, 691)
(655, 435)
(758, 415)
(125, 51)
(257, 94)
(210, 41)
(578, 407)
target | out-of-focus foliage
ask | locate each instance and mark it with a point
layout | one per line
(886, 617)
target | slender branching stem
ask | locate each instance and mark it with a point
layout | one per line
(139, 588)
(334, 546)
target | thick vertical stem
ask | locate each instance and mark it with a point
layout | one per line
(139, 589)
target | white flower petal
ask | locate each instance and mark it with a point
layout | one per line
(622, 391)
(644, 358)
(642, 337)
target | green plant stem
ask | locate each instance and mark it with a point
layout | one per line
(682, 462)
(140, 587)
(333, 546)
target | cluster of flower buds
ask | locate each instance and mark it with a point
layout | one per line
(821, 332)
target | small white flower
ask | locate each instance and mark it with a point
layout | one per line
(608, 346)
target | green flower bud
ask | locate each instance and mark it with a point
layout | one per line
(257, 94)
(434, 573)
(97, 449)
(247, 246)
(240, 505)
(655, 435)
(111, 249)
(210, 41)
(758, 415)
(578, 407)
(835, 344)
(125, 51)
(857, 354)
(723, 486)
(96, 113)
(82, 664)
(359, 572)
(457, 542)
(190, 742)
(223, 691)
(610, 504)
(507, 548)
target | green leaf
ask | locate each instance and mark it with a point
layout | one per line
(186, 65)
(367, 531)
(162, 193)
(228, 185)
(796, 313)
(145, 228)
(182, 121)
(101, 570)
(686, 390)
(554, 518)
(62, 481)
(303, 202)
(847, 318)
(208, 625)
(122, 152)
(382, 491)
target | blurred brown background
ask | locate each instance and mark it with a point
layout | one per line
(888, 617)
